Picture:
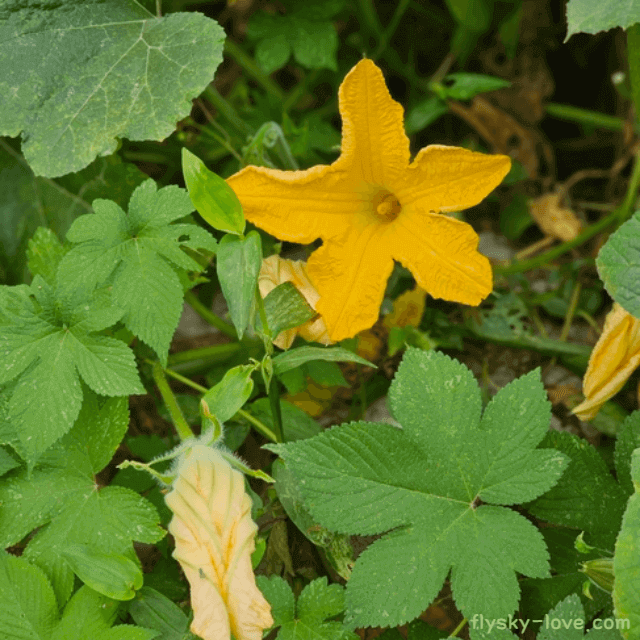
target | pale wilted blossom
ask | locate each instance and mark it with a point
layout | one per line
(214, 536)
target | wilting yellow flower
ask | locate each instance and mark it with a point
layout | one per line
(276, 270)
(214, 536)
(613, 359)
(371, 207)
(408, 309)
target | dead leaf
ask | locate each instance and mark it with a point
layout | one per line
(553, 219)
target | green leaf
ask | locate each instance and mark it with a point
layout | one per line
(626, 588)
(238, 266)
(316, 603)
(110, 574)
(29, 201)
(7, 461)
(112, 70)
(153, 610)
(62, 494)
(211, 196)
(593, 16)
(28, 609)
(140, 256)
(464, 86)
(424, 113)
(296, 357)
(296, 424)
(515, 218)
(619, 265)
(423, 482)
(309, 35)
(587, 498)
(44, 254)
(48, 346)
(286, 308)
(627, 441)
(230, 394)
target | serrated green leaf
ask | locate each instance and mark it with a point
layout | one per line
(587, 498)
(153, 610)
(44, 253)
(28, 608)
(127, 632)
(111, 574)
(238, 265)
(7, 461)
(230, 394)
(279, 595)
(211, 196)
(593, 16)
(86, 617)
(62, 492)
(137, 254)
(29, 201)
(484, 633)
(619, 266)
(422, 482)
(295, 357)
(68, 118)
(286, 308)
(626, 588)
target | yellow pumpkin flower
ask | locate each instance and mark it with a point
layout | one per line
(372, 206)
(276, 270)
(614, 358)
(214, 536)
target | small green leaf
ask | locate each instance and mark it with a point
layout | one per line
(44, 254)
(515, 218)
(464, 86)
(230, 394)
(151, 609)
(295, 357)
(286, 308)
(296, 424)
(424, 113)
(110, 574)
(212, 197)
(238, 266)
(593, 16)
(627, 441)
(618, 264)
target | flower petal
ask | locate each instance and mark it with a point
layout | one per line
(445, 178)
(614, 358)
(372, 126)
(441, 253)
(214, 536)
(300, 206)
(350, 274)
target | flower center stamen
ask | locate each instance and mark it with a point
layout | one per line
(388, 207)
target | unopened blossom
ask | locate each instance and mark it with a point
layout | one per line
(214, 536)
(373, 206)
(276, 270)
(614, 358)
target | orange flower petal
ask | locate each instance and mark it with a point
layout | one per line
(445, 178)
(350, 275)
(372, 126)
(441, 253)
(614, 358)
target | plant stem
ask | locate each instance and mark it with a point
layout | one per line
(584, 116)
(626, 210)
(208, 316)
(458, 629)
(190, 383)
(183, 429)
(402, 6)
(633, 56)
(226, 110)
(276, 413)
(215, 354)
(247, 63)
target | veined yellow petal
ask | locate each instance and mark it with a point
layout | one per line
(372, 126)
(445, 178)
(350, 275)
(214, 536)
(614, 358)
(300, 206)
(441, 253)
